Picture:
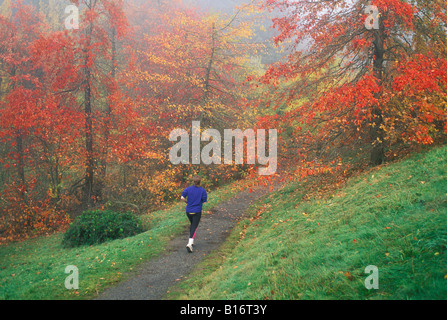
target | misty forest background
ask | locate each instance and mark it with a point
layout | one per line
(85, 115)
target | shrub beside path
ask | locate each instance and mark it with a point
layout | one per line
(154, 278)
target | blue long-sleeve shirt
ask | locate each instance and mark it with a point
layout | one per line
(196, 197)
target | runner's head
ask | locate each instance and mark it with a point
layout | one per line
(197, 180)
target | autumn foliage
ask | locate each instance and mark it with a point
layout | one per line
(348, 91)
(85, 114)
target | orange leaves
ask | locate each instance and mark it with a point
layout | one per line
(422, 85)
(421, 73)
(260, 212)
(309, 169)
(34, 218)
(340, 93)
(396, 10)
(349, 276)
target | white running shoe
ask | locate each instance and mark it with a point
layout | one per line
(189, 248)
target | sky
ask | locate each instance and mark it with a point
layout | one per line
(226, 6)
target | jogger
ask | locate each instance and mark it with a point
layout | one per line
(195, 220)
(195, 196)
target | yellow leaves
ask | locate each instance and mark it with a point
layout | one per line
(150, 78)
(153, 155)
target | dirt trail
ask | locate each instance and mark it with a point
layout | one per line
(154, 278)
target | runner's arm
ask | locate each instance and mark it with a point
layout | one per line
(184, 196)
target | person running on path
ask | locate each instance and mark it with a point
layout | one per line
(194, 196)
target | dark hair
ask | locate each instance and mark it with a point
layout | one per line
(197, 180)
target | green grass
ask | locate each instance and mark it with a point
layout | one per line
(394, 217)
(35, 269)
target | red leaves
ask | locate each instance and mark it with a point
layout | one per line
(395, 11)
(339, 91)
(421, 73)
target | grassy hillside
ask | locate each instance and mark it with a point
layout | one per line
(394, 217)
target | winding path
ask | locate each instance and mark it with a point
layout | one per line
(155, 277)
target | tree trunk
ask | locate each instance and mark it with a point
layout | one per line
(377, 132)
(21, 166)
(90, 161)
(107, 124)
(209, 67)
